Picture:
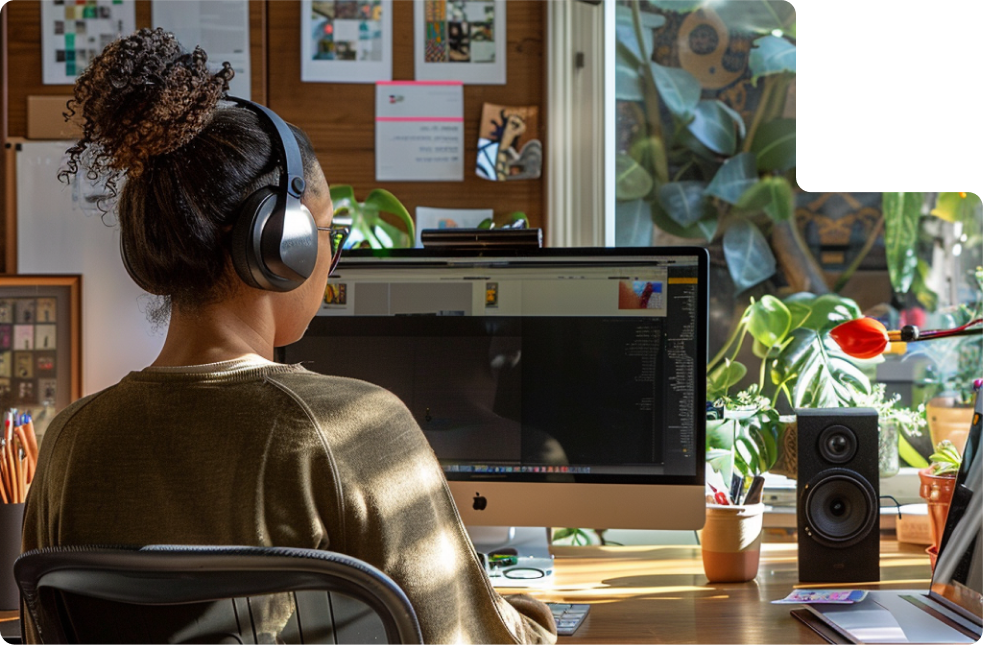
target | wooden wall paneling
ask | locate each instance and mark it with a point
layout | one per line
(22, 50)
(340, 117)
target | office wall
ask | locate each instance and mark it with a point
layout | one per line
(338, 117)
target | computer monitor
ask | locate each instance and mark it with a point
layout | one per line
(558, 387)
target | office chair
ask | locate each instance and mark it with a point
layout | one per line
(210, 594)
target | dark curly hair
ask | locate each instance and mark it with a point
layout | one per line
(153, 117)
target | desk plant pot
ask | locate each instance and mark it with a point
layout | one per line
(938, 482)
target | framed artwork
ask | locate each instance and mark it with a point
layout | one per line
(73, 32)
(346, 41)
(40, 344)
(460, 40)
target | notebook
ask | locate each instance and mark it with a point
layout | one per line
(951, 611)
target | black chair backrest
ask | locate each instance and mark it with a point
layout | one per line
(205, 594)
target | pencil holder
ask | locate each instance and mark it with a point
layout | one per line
(11, 522)
(731, 542)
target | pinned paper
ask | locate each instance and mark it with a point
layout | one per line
(508, 143)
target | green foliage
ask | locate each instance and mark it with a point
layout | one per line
(369, 228)
(946, 459)
(798, 362)
(798, 359)
(902, 212)
(695, 168)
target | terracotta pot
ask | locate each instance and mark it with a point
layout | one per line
(731, 542)
(937, 491)
(948, 422)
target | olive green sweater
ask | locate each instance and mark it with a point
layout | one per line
(265, 454)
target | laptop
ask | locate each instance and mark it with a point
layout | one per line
(952, 610)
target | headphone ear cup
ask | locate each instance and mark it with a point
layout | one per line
(247, 234)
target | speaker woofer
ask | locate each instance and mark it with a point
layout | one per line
(840, 508)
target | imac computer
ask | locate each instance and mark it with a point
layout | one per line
(557, 387)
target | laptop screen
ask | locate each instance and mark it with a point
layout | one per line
(958, 577)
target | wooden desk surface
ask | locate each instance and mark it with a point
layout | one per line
(659, 594)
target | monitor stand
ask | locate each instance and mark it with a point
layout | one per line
(534, 564)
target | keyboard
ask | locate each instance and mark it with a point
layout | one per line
(568, 617)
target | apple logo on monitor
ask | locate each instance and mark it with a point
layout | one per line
(479, 502)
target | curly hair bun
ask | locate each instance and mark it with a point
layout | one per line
(145, 96)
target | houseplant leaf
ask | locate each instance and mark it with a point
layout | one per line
(704, 228)
(714, 127)
(684, 201)
(823, 312)
(749, 258)
(902, 212)
(633, 223)
(383, 201)
(723, 377)
(823, 376)
(771, 55)
(957, 207)
(628, 86)
(773, 195)
(769, 321)
(678, 89)
(631, 180)
(734, 177)
(757, 17)
(774, 145)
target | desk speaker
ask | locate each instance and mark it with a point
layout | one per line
(838, 494)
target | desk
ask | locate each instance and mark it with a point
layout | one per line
(658, 594)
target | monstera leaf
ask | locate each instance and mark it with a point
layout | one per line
(824, 377)
(369, 228)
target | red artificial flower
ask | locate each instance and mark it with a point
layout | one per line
(861, 338)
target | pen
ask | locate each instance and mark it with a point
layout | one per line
(754, 490)
(735, 488)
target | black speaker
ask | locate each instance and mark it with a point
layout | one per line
(838, 502)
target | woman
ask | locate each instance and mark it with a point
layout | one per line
(214, 443)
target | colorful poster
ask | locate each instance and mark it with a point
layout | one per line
(73, 32)
(460, 40)
(220, 27)
(508, 143)
(346, 41)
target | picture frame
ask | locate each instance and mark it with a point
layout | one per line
(40, 344)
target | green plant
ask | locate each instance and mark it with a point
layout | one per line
(693, 166)
(945, 461)
(369, 227)
(890, 411)
(800, 366)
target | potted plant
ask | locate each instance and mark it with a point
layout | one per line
(938, 481)
(369, 226)
(894, 422)
(800, 366)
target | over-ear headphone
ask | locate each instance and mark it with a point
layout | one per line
(274, 237)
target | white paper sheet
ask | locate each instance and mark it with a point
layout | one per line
(427, 217)
(72, 34)
(460, 40)
(346, 42)
(220, 27)
(419, 131)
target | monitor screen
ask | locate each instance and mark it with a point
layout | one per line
(560, 387)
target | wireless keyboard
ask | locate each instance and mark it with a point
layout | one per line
(568, 617)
